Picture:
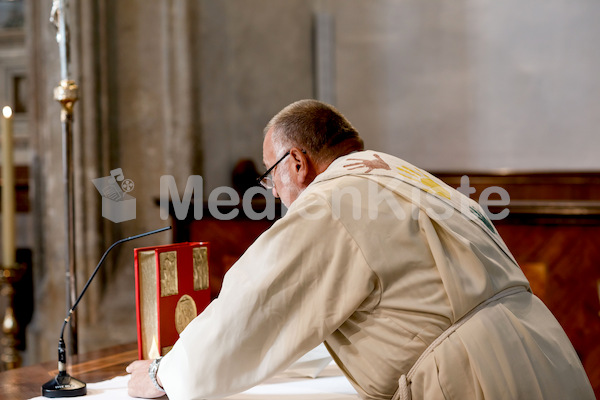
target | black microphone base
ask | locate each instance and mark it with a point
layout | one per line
(64, 386)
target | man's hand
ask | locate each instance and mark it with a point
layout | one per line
(140, 384)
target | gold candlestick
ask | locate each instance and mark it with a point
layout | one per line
(10, 356)
(11, 272)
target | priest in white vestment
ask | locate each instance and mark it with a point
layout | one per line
(403, 278)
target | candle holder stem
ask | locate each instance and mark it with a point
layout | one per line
(67, 94)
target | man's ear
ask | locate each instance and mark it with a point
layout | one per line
(301, 166)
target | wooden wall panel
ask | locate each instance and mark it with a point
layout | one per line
(571, 256)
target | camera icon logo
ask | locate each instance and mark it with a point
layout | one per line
(117, 204)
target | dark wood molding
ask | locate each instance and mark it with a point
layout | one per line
(547, 186)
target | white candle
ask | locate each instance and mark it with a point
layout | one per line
(8, 190)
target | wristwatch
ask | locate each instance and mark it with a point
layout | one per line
(152, 370)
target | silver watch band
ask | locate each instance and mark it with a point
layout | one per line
(152, 370)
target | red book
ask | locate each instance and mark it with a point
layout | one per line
(171, 288)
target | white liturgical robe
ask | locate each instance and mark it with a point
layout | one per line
(377, 259)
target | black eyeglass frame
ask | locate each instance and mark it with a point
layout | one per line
(266, 174)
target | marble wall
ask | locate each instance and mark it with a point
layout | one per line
(473, 85)
(182, 87)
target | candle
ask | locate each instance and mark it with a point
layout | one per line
(8, 190)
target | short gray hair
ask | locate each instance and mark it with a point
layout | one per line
(316, 127)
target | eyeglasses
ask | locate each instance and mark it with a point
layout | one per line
(266, 179)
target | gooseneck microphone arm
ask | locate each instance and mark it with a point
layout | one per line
(64, 385)
(87, 284)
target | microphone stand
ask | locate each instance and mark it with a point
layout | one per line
(63, 384)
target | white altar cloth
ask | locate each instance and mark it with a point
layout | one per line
(330, 385)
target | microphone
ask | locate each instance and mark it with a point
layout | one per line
(63, 384)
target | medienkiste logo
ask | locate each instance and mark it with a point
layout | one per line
(117, 204)
(225, 203)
